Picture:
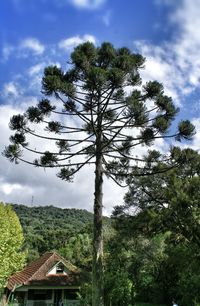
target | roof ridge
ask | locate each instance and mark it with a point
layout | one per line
(52, 253)
(36, 260)
(67, 262)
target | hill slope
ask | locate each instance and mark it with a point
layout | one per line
(42, 218)
(48, 228)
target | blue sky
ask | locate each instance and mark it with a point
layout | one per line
(52, 20)
(34, 34)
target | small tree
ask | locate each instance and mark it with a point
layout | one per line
(103, 114)
(11, 241)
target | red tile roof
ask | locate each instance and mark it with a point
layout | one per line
(36, 273)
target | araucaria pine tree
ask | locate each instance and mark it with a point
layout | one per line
(98, 113)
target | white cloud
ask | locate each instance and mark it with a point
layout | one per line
(159, 67)
(6, 51)
(25, 47)
(176, 63)
(69, 43)
(87, 4)
(9, 188)
(10, 89)
(33, 45)
(106, 18)
(38, 68)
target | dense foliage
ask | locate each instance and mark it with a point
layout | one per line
(51, 228)
(164, 208)
(11, 241)
(152, 270)
(68, 231)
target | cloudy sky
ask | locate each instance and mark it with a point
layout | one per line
(34, 34)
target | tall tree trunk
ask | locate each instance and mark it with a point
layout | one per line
(97, 292)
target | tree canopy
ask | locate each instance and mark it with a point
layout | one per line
(94, 93)
(167, 201)
(12, 257)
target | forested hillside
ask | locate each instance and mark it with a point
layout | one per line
(52, 228)
(41, 218)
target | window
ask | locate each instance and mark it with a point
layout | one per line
(60, 268)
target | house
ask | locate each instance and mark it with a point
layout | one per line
(49, 280)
